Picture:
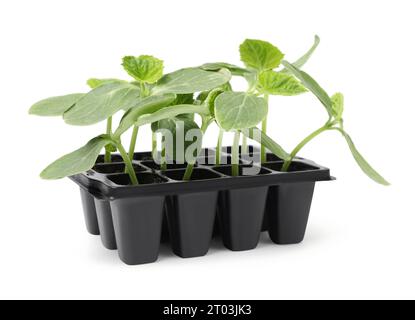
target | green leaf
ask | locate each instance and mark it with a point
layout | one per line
(102, 102)
(235, 70)
(191, 80)
(303, 60)
(260, 55)
(78, 161)
(184, 99)
(363, 164)
(239, 110)
(338, 104)
(171, 112)
(278, 83)
(55, 106)
(145, 106)
(210, 99)
(203, 95)
(144, 68)
(311, 85)
(95, 83)
(178, 127)
(262, 138)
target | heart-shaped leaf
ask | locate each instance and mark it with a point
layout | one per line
(55, 106)
(144, 68)
(191, 80)
(78, 161)
(260, 55)
(239, 110)
(102, 102)
(277, 83)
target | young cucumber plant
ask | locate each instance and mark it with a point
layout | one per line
(149, 99)
(334, 107)
(238, 112)
(166, 102)
(261, 58)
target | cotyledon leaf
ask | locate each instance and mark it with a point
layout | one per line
(102, 102)
(144, 106)
(204, 95)
(184, 99)
(263, 139)
(234, 69)
(239, 110)
(95, 82)
(55, 106)
(170, 112)
(191, 80)
(210, 99)
(363, 164)
(303, 59)
(311, 85)
(77, 161)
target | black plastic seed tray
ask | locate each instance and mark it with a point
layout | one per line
(133, 219)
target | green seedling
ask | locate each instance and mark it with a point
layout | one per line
(334, 106)
(150, 99)
(261, 59)
(167, 102)
(237, 111)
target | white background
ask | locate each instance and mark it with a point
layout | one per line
(360, 242)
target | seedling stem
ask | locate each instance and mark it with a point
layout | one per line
(133, 142)
(235, 154)
(128, 164)
(264, 130)
(219, 147)
(107, 157)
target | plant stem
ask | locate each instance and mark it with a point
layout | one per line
(190, 166)
(107, 157)
(264, 130)
(163, 165)
(219, 147)
(154, 145)
(307, 139)
(144, 91)
(244, 149)
(128, 164)
(189, 171)
(133, 142)
(235, 154)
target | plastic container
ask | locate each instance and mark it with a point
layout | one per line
(135, 219)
